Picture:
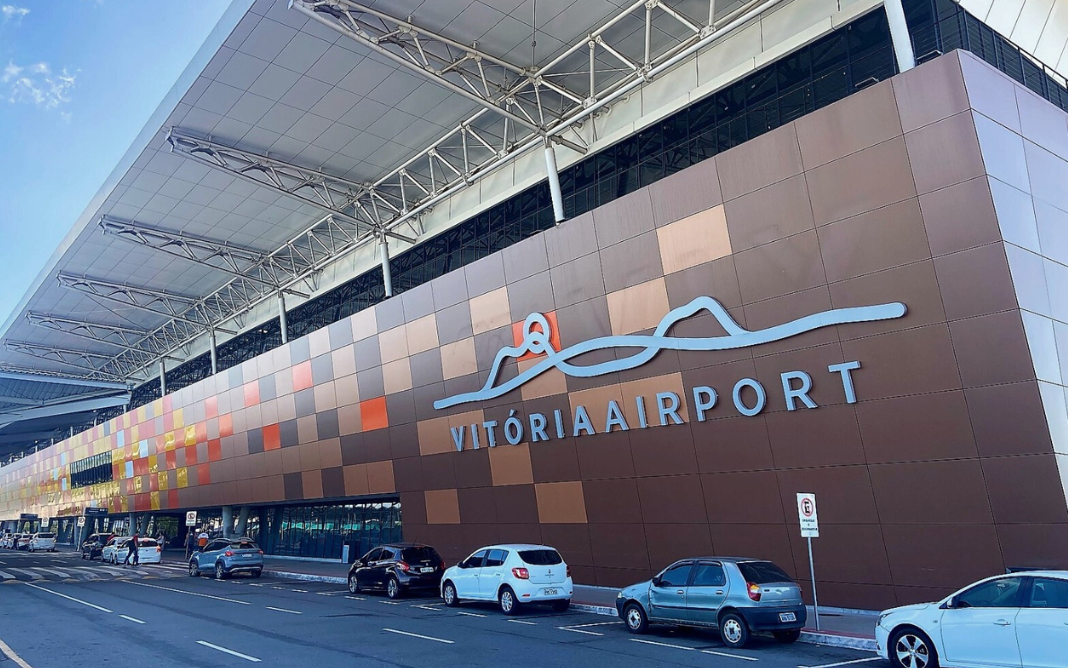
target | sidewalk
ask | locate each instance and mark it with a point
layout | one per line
(838, 627)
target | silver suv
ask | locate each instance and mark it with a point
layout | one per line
(735, 595)
(224, 557)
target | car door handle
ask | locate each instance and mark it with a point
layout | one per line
(1002, 622)
(719, 593)
(680, 592)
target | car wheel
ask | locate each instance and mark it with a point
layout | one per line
(787, 637)
(194, 571)
(448, 594)
(635, 618)
(509, 604)
(561, 606)
(733, 630)
(258, 572)
(393, 589)
(220, 572)
(354, 585)
(911, 648)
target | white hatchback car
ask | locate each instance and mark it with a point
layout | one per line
(512, 575)
(1020, 619)
(148, 551)
(43, 542)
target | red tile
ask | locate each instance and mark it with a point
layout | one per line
(373, 414)
(302, 376)
(226, 425)
(211, 407)
(202, 432)
(554, 334)
(203, 474)
(272, 438)
(190, 455)
(172, 460)
(172, 498)
(214, 450)
(252, 393)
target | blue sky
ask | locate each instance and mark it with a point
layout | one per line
(78, 81)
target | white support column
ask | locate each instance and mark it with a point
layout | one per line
(242, 521)
(214, 352)
(387, 277)
(162, 378)
(899, 35)
(227, 521)
(554, 183)
(283, 325)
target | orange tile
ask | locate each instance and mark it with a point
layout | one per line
(211, 407)
(373, 414)
(272, 438)
(190, 455)
(554, 334)
(202, 431)
(214, 450)
(302, 376)
(226, 425)
(252, 393)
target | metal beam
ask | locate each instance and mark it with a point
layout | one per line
(84, 360)
(167, 304)
(116, 335)
(19, 401)
(72, 407)
(10, 372)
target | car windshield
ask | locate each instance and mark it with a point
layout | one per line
(244, 545)
(540, 557)
(762, 572)
(422, 553)
(46, 535)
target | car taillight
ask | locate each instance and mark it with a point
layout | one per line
(521, 573)
(754, 592)
(568, 571)
(403, 565)
(159, 549)
(228, 553)
(261, 551)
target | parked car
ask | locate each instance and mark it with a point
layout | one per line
(1020, 619)
(5, 540)
(397, 568)
(93, 546)
(734, 595)
(148, 551)
(224, 557)
(512, 575)
(23, 541)
(43, 542)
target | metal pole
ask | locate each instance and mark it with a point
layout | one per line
(554, 183)
(214, 352)
(283, 325)
(387, 278)
(162, 378)
(899, 35)
(812, 570)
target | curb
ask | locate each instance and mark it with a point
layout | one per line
(305, 577)
(834, 640)
(595, 609)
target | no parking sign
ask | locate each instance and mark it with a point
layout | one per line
(806, 512)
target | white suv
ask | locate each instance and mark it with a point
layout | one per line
(43, 541)
(512, 575)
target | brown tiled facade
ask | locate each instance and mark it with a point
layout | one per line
(947, 467)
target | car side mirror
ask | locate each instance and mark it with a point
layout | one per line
(358, 563)
(656, 581)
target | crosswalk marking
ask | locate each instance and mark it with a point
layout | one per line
(52, 571)
(33, 576)
(6, 576)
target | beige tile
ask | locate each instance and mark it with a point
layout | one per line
(287, 408)
(458, 359)
(393, 344)
(307, 432)
(595, 401)
(330, 453)
(325, 398)
(343, 361)
(396, 376)
(348, 419)
(638, 307)
(380, 478)
(355, 479)
(468, 419)
(694, 240)
(435, 437)
(283, 382)
(547, 384)
(319, 342)
(312, 484)
(364, 324)
(490, 311)
(442, 506)
(422, 334)
(648, 388)
(561, 503)
(346, 390)
(510, 464)
(309, 456)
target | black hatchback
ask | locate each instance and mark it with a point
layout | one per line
(93, 546)
(397, 568)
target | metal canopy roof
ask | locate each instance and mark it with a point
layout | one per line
(304, 129)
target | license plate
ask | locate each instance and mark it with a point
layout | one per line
(246, 556)
(426, 569)
(552, 592)
(787, 617)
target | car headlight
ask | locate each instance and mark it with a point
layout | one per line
(881, 619)
(620, 595)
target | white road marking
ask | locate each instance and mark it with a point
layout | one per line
(3, 562)
(470, 614)
(389, 603)
(299, 591)
(582, 626)
(326, 593)
(427, 607)
(520, 621)
(574, 630)
(356, 598)
(844, 663)
(292, 612)
(663, 644)
(131, 619)
(6, 576)
(10, 653)
(191, 593)
(416, 635)
(278, 588)
(52, 572)
(231, 652)
(69, 598)
(729, 656)
(256, 585)
(35, 576)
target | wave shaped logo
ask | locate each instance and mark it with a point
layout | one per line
(536, 341)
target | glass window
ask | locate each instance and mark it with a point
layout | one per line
(373, 555)
(475, 560)
(1049, 593)
(243, 545)
(541, 557)
(676, 576)
(709, 575)
(421, 554)
(1000, 593)
(495, 558)
(762, 572)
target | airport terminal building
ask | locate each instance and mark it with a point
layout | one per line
(785, 261)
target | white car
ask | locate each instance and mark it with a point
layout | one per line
(22, 541)
(512, 575)
(148, 551)
(44, 542)
(1020, 619)
(5, 540)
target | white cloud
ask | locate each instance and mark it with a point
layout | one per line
(36, 84)
(11, 12)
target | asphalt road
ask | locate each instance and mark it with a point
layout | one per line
(167, 619)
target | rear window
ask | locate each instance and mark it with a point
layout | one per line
(540, 557)
(46, 535)
(420, 554)
(146, 542)
(244, 545)
(763, 572)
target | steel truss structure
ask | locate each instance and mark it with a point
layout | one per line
(522, 108)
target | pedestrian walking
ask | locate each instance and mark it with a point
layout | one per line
(202, 538)
(132, 552)
(161, 540)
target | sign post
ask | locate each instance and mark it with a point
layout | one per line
(810, 528)
(190, 522)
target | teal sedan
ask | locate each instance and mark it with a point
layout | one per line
(224, 557)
